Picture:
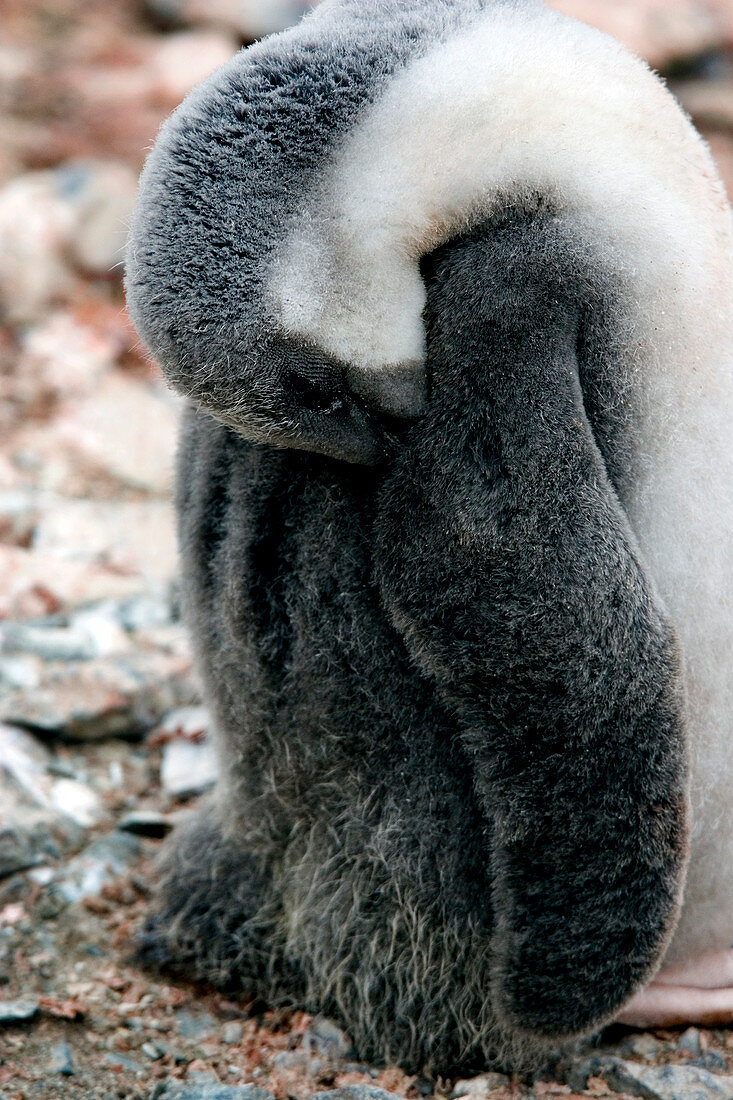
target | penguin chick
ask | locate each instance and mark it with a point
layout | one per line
(446, 284)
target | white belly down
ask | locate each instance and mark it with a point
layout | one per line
(682, 512)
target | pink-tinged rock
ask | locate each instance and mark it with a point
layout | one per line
(184, 723)
(190, 764)
(121, 436)
(127, 429)
(186, 58)
(19, 513)
(249, 19)
(34, 583)
(16, 67)
(11, 478)
(36, 227)
(724, 12)
(107, 697)
(114, 109)
(128, 537)
(61, 358)
(485, 1087)
(657, 30)
(56, 224)
(102, 194)
(117, 109)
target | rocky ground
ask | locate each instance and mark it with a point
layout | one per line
(103, 745)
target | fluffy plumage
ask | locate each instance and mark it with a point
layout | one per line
(443, 282)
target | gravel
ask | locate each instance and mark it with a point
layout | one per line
(666, 1082)
(17, 1012)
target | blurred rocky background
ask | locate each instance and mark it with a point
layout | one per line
(103, 744)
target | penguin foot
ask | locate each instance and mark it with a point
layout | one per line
(698, 991)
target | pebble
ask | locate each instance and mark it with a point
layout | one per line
(186, 722)
(61, 768)
(32, 582)
(145, 612)
(153, 1051)
(480, 1087)
(127, 429)
(124, 695)
(56, 224)
(97, 865)
(36, 227)
(355, 1092)
(19, 512)
(92, 673)
(326, 1040)
(131, 536)
(641, 1045)
(670, 1082)
(23, 673)
(207, 1090)
(184, 59)
(18, 1012)
(361, 1068)
(101, 195)
(232, 1032)
(126, 1063)
(77, 801)
(106, 635)
(23, 757)
(50, 643)
(713, 1061)
(122, 436)
(195, 1025)
(61, 1060)
(60, 358)
(33, 825)
(689, 1040)
(42, 875)
(188, 767)
(147, 823)
(248, 19)
(297, 1061)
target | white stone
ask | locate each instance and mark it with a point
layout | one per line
(61, 358)
(55, 223)
(77, 800)
(186, 58)
(34, 583)
(127, 430)
(656, 30)
(35, 228)
(188, 767)
(480, 1088)
(106, 636)
(130, 537)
